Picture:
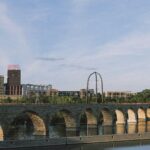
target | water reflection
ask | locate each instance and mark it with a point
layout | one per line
(60, 130)
(141, 127)
(20, 132)
(88, 130)
(71, 132)
(83, 130)
(120, 129)
(57, 131)
(138, 145)
(134, 145)
(148, 126)
(108, 129)
(92, 130)
(131, 128)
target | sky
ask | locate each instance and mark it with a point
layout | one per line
(60, 42)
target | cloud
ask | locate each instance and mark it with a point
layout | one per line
(39, 14)
(78, 67)
(10, 26)
(78, 42)
(133, 44)
(14, 47)
(80, 4)
(49, 59)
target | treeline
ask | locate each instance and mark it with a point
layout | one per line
(45, 99)
(140, 97)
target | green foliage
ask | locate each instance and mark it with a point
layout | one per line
(141, 97)
(6, 100)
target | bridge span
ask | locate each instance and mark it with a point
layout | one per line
(36, 118)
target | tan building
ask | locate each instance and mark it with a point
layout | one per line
(1, 85)
(118, 94)
(52, 92)
(83, 93)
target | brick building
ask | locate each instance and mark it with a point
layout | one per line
(1, 85)
(13, 86)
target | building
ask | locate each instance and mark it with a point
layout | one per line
(80, 94)
(83, 93)
(52, 92)
(32, 89)
(118, 94)
(69, 93)
(13, 86)
(1, 85)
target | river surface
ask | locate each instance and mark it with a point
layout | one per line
(134, 145)
(84, 130)
(60, 131)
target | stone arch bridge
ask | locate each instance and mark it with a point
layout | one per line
(38, 117)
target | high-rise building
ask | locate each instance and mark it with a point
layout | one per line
(1, 85)
(13, 86)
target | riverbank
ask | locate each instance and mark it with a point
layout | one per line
(74, 140)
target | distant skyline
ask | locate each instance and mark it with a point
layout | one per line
(61, 42)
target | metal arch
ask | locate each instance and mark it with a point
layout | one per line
(87, 89)
(102, 90)
(102, 95)
(96, 85)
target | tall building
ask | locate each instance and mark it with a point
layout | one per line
(13, 86)
(1, 85)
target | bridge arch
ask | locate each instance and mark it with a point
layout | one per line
(119, 121)
(148, 113)
(132, 118)
(141, 114)
(120, 116)
(27, 123)
(65, 116)
(88, 117)
(2, 137)
(63, 122)
(88, 122)
(105, 117)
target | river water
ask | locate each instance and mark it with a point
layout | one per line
(134, 145)
(60, 131)
(84, 130)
